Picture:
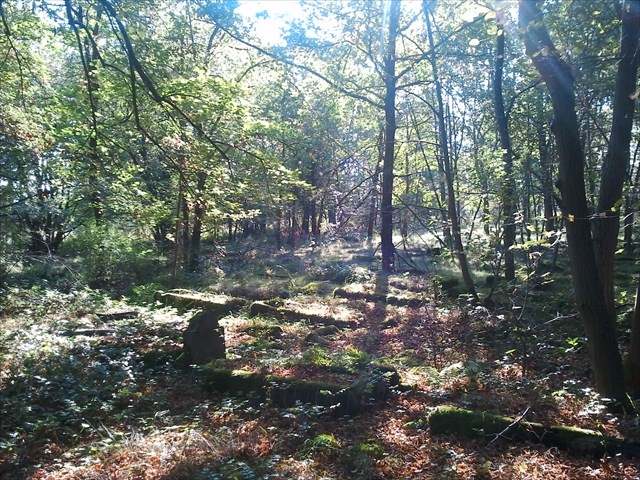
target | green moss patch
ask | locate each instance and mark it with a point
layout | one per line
(474, 424)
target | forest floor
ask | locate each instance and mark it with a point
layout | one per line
(115, 404)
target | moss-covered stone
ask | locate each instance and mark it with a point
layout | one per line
(204, 339)
(412, 302)
(473, 424)
(292, 315)
(264, 309)
(327, 330)
(233, 381)
(372, 387)
(269, 332)
(314, 339)
(388, 371)
(468, 423)
(219, 305)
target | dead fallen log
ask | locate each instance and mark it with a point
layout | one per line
(283, 313)
(371, 388)
(219, 305)
(473, 424)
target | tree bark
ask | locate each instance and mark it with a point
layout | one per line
(386, 207)
(508, 187)
(198, 215)
(547, 179)
(375, 180)
(598, 321)
(606, 224)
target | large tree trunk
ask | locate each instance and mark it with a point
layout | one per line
(598, 321)
(386, 207)
(606, 224)
(452, 208)
(508, 186)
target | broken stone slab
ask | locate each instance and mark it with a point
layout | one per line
(371, 388)
(203, 339)
(270, 332)
(220, 305)
(327, 330)
(264, 309)
(117, 315)
(314, 339)
(474, 424)
(411, 302)
(318, 336)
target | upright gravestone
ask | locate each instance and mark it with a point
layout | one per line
(204, 338)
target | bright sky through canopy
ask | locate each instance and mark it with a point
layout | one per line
(269, 17)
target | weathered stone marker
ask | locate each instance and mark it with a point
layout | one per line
(204, 338)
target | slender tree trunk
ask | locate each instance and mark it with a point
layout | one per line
(184, 232)
(446, 160)
(386, 207)
(278, 228)
(306, 215)
(176, 247)
(547, 179)
(606, 224)
(597, 319)
(628, 225)
(508, 186)
(375, 180)
(198, 216)
(313, 214)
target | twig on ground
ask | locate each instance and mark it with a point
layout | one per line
(510, 426)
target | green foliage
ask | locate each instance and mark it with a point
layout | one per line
(363, 456)
(351, 359)
(74, 390)
(312, 288)
(317, 355)
(356, 359)
(113, 258)
(321, 444)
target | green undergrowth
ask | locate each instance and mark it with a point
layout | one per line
(81, 393)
